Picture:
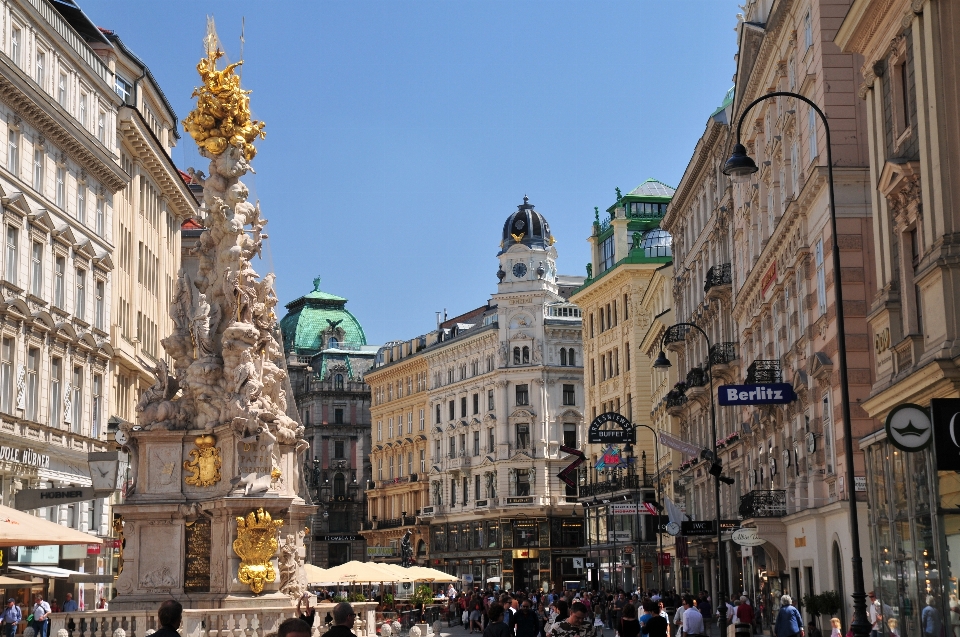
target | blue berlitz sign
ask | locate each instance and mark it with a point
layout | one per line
(766, 394)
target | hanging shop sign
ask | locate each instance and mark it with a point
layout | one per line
(612, 458)
(909, 427)
(622, 434)
(944, 414)
(698, 527)
(747, 537)
(765, 394)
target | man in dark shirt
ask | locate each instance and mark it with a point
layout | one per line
(343, 617)
(170, 617)
(656, 624)
(525, 621)
(496, 626)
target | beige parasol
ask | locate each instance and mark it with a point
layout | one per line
(426, 574)
(358, 572)
(18, 528)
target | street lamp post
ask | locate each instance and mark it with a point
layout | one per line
(656, 448)
(663, 363)
(741, 166)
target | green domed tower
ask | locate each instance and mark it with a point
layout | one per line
(327, 358)
(319, 321)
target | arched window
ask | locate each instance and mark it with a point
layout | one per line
(563, 356)
(572, 357)
(333, 343)
(516, 355)
(526, 354)
(338, 382)
(339, 485)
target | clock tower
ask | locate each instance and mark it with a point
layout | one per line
(527, 255)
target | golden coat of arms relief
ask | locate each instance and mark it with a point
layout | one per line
(205, 463)
(256, 544)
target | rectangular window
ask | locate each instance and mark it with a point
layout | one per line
(15, 39)
(98, 228)
(476, 496)
(10, 274)
(523, 396)
(523, 436)
(463, 406)
(33, 383)
(390, 428)
(100, 310)
(821, 279)
(81, 202)
(491, 440)
(61, 193)
(81, 301)
(476, 443)
(812, 132)
(38, 170)
(76, 390)
(56, 398)
(569, 395)
(453, 446)
(60, 269)
(827, 434)
(476, 404)
(338, 416)
(379, 431)
(791, 74)
(606, 254)
(41, 60)
(807, 30)
(466, 494)
(123, 88)
(36, 270)
(453, 492)
(62, 90)
(523, 483)
(422, 420)
(83, 110)
(338, 449)
(13, 152)
(423, 461)
(97, 406)
(6, 376)
(490, 406)
(451, 408)
(569, 435)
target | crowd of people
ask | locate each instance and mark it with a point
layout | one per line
(573, 613)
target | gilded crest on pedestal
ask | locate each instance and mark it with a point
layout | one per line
(256, 544)
(205, 464)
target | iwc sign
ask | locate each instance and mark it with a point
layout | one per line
(621, 432)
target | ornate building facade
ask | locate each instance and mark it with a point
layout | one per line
(627, 249)
(400, 459)
(328, 359)
(754, 268)
(908, 53)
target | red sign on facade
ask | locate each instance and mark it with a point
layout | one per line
(768, 279)
(93, 549)
(664, 559)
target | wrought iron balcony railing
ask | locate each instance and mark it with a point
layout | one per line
(718, 275)
(676, 399)
(613, 484)
(696, 377)
(764, 371)
(764, 504)
(676, 334)
(723, 353)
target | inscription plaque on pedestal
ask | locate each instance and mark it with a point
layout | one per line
(255, 463)
(196, 567)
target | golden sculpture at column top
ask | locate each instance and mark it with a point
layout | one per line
(256, 544)
(222, 115)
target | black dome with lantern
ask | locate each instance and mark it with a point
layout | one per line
(526, 226)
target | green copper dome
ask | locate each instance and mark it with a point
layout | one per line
(320, 321)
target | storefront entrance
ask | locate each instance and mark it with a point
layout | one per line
(526, 574)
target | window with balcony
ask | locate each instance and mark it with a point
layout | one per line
(466, 494)
(339, 486)
(77, 396)
(33, 383)
(523, 395)
(453, 446)
(453, 492)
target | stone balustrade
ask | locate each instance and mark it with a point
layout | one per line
(216, 622)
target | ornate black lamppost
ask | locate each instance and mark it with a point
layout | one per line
(739, 167)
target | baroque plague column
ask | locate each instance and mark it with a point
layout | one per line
(216, 518)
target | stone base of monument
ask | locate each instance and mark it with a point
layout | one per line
(203, 520)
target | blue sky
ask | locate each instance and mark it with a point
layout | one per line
(400, 135)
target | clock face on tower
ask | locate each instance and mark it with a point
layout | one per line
(520, 270)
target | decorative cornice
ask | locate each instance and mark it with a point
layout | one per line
(16, 91)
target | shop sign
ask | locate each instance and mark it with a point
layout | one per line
(26, 457)
(612, 458)
(664, 559)
(618, 536)
(698, 527)
(860, 483)
(764, 394)
(628, 509)
(590, 565)
(578, 562)
(35, 555)
(625, 433)
(909, 427)
(380, 551)
(527, 499)
(747, 537)
(944, 412)
(746, 551)
(523, 554)
(27, 499)
(341, 538)
(93, 549)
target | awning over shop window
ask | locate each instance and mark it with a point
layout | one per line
(44, 571)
